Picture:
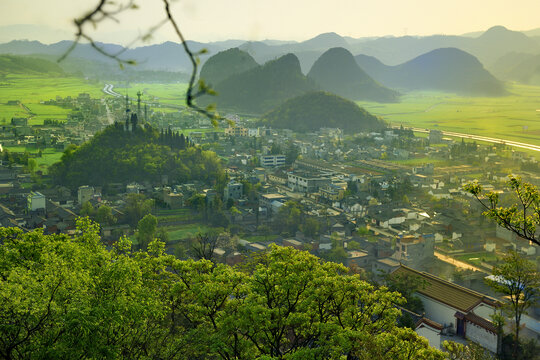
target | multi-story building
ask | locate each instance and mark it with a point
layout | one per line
(272, 160)
(306, 182)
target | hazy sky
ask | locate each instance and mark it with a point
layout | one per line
(209, 20)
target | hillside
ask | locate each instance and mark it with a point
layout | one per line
(11, 64)
(225, 64)
(116, 156)
(524, 68)
(314, 110)
(263, 87)
(336, 71)
(448, 69)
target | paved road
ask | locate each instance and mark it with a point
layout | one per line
(108, 89)
(483, 138)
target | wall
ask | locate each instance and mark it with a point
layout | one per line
(481, 336)
(434, 337)
(439, 312)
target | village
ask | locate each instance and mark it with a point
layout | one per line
(388, 202)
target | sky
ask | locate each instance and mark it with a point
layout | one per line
(215, 20)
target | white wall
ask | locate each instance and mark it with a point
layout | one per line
(481, 336)
(434, 337)
(438, 312)
(484, 310)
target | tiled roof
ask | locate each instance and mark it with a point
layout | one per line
(486, 324)
(456, 296)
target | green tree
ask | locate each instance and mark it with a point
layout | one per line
(146, 230)
(66, 297)
(87, 209)
(31, 165)
(310, 227)
(137, 206)
(523, 217)
(471, 351)
(104, 215)
(519, 281)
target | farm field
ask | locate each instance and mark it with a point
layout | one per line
(166, 94)
(30, 90)
(185, 231)
(513, 117)
(48, 156)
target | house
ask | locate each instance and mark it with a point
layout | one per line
(306, 182)
(413, 251)
(233, 190)
(458, 309)
(36, 201)
(85, 193)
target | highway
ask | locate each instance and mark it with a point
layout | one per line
(482, 138)
(108, 89)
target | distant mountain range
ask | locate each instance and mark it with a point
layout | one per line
(448, 69)
(488, 47)
(314, 110)
(336, 71)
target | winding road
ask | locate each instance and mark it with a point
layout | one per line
(108, 89)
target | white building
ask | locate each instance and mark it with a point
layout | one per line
(272, 160)
(36, 201)
(458, 309)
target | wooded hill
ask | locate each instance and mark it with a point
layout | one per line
(263, 87)
(117, 156)
(13, 64)
(314, 110)
(336, 71)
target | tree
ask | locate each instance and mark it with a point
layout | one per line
(137, 206)
(104, 215)
(310, 227)
(146, 230)
(66, 297)
(87, 209)
(472, 351)
(523, 217)
(518, 279)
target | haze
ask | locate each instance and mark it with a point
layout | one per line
(212, 20)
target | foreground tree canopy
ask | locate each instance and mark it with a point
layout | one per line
(69, 297)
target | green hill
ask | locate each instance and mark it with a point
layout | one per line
(262, 88)
(12, 64)
(225, 64)
(116, 156)
(314, 110)
(337, 71)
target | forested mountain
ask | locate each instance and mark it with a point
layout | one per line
(11, 64)
(336, 71)
(226, 64)
(118, 156)
(447, 69)
(263, 87)
(314, 110)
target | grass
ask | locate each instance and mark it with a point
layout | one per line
(185, 231)
(260, 238)
(477, 258)
(501, 117)
(421, 161)
(166, 94)
(30, 90)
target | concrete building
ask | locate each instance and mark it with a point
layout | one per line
(413, 251)
(306, 182)
(272, 160)
(233, 190)
(85, 193)
(36, 201)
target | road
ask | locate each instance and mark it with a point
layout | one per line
(108, 89)
(483, 138)
(457, 263)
